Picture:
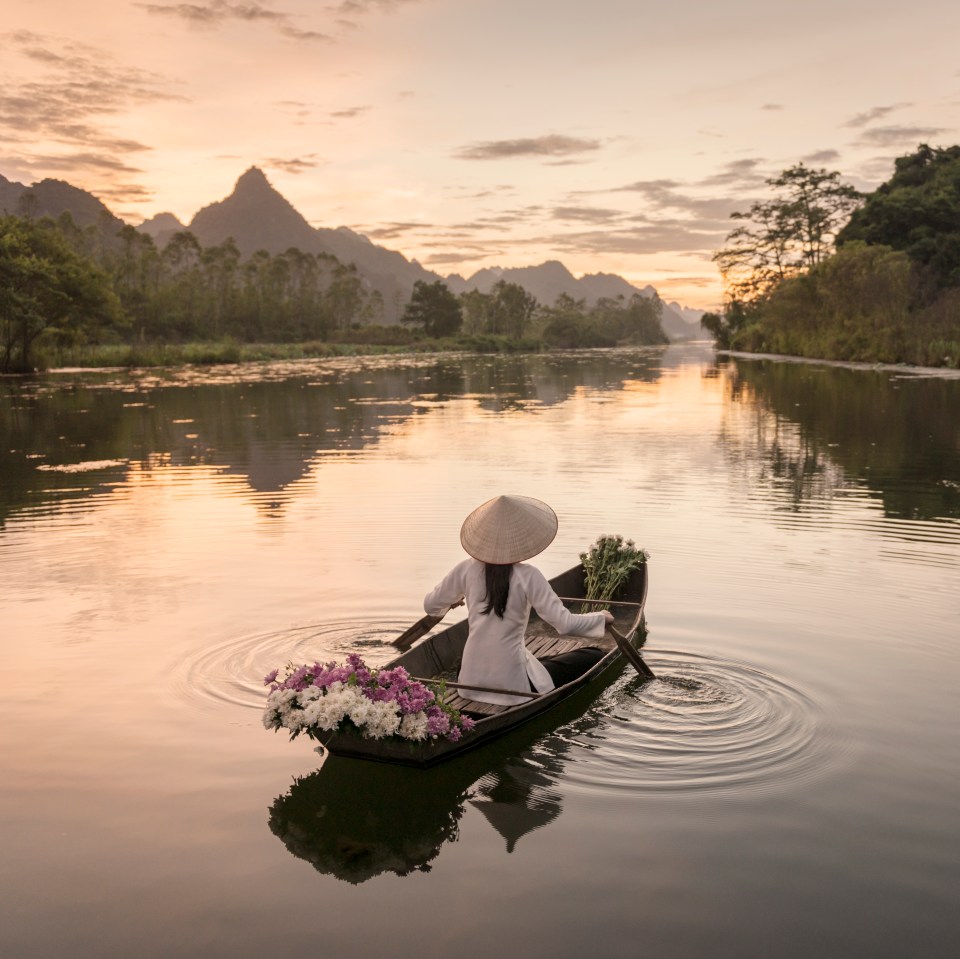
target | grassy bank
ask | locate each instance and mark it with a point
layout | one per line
(231, 351)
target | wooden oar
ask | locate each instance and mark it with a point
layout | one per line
(482, 689)
(630, 652)
(605, 602)
(420, 628)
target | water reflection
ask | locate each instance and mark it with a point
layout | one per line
(819, 429)
(355, 820)
(269, 426)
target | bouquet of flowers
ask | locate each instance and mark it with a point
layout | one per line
(607, 565)
(376, 703)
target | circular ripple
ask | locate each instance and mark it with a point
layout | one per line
(232, 672)
(704, 722)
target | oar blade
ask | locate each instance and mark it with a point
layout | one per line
(631, 653)
(418, 629)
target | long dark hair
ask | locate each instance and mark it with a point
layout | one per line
(498, 587)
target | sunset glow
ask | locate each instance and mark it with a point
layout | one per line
(614, 136)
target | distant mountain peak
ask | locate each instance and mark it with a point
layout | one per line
(161, 227)
(253, 180)
(255, 215)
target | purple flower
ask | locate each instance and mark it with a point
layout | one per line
(298, 679)
(454, 734)
(270, 677)
(438, 722)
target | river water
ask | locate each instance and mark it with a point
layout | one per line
(788, 786)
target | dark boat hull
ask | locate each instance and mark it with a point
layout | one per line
(441, 653)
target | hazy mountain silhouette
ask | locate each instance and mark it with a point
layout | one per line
(258, 217)
(53, 197)
(688, 313)
(552, 279)
(10, 193)
(161, 227)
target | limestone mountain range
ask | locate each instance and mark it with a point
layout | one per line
(258, 217)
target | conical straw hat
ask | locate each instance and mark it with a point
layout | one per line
(508, 529)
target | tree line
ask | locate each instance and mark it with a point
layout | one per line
(823, 270)
(508, 310)
(63, 286)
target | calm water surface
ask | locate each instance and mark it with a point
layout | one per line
(789, 786)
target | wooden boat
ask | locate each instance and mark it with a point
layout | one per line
(439, 656)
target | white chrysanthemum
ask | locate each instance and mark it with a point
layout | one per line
(384, 720)
(361, 709)
(329, 710)
(311, 711)
(309, 694)
(292, 719)
(281, 698)
(414, 726)
(271, 718)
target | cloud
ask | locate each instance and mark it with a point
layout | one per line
(71, 102)
(585, 214)
(666, 236)
(392, 231)
(361, 7)
(894, 136)
(452, 257)
(738, 173)
(664, 195)
(71, 162)
(552, 145)
(682, 282)
(349, 113)
(81, 81)
(215, 13)
(822, 156)
(295, 165)
(868, 116)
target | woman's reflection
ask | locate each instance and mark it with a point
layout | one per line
(355, 820)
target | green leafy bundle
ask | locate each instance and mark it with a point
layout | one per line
(608, 565)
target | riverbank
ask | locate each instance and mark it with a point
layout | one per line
(910, 369)
(230, 351)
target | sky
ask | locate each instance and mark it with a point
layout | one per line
(616, 136)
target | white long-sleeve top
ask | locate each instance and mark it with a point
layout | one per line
(495, 654)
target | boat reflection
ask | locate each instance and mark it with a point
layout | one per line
(355, 820)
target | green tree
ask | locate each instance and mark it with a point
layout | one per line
(513, 308)
(180, 298)
(134, 269)
(565, 324)
(637, 320)
(349, 300)
(785, 235)
(477, 310)
(916, 211)
(433, 306)
(220, 268)
(47, 292)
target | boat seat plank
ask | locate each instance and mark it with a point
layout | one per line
(538, 644)
(554, 645)
(473, 706)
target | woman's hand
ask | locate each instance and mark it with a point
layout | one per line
(607, 617)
